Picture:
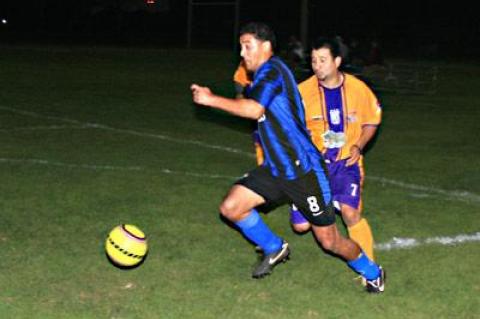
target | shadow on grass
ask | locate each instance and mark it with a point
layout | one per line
(123, 267)
(224, 119)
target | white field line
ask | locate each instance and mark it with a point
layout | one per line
(394, 244)
(66, 165)
(127, 131)
(454, 194)
(408, 243)
(177, 140)
(193, 174)
(460, 195)
(43, 128)
(96, 167)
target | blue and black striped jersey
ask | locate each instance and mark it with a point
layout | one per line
(288, 149)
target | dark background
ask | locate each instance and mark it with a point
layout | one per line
(422, 28)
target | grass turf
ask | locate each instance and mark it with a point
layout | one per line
(151, 160)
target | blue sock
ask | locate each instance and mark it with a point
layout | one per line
(365, 267)
(254, 228)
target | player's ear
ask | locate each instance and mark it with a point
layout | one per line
(338, 61)
(267, 46)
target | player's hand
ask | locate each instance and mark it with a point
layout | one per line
(355, 153)
(200, 94)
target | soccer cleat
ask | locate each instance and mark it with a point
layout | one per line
(377, 285)
(268, 262)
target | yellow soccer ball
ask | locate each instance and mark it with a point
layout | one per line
(126, 246)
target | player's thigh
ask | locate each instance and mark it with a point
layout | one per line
(262, 183)
(239, 201)
(347, 185)
(311, 194)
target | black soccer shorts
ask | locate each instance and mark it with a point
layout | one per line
(305, 192)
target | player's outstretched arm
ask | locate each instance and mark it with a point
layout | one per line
(247, 108)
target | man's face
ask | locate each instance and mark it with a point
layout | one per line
(323, 64)
(254, 52)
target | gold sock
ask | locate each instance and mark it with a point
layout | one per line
(362, 235)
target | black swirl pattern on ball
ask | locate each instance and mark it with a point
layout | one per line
(123, 251)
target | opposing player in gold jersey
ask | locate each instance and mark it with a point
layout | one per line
(342, 115)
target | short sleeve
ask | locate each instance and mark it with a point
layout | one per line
(371, 109)
(266, 85)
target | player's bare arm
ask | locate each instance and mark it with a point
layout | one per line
(368, 131)
(247, 108)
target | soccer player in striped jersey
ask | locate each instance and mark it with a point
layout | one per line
(342, 115)
(293, 170)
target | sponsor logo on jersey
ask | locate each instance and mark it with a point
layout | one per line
(335, 116)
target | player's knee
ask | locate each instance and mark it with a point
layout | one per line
(351, 216)
(229, 209)
(328, 243)
(301, 228)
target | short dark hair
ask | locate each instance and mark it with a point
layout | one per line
(260, 31)
(327, 43)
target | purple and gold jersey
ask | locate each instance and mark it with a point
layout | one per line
(335, 117)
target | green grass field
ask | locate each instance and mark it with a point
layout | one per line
(95, 137)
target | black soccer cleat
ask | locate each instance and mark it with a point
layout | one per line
(377, 285)
(268, 262)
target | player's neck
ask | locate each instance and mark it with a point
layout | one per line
(267, 56)
(334, 81)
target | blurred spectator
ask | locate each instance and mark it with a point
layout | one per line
(355, 54)
(296, 51)
(375, 55)
(344, 50)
